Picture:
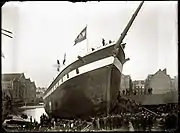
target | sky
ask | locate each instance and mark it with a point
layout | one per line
(44, 31)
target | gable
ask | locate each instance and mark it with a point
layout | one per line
(160, 74)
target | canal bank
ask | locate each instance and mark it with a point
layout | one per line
(20, 118)
(31, 111)
(34, 111)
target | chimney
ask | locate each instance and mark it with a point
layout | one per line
(165, 71)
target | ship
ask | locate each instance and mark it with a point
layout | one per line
(89, 85)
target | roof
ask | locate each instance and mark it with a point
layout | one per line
(150, 75)
(33, 83)
(11, 76)
(28, 79)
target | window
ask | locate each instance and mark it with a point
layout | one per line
(142, 82)
(62, 79)
(67, 75)
(57, 85)
(77, 71)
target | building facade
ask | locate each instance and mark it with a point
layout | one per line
(175, 83)
(6, 87)
(126, 83)
(160, 82)
(18, 88)
(39, 94)
(139, 87)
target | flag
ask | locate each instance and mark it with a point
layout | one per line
(58, 67)
(81, 36)
(64, 59)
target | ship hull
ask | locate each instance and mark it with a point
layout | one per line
(88, 89)
(87, 94)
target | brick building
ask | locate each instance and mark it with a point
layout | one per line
(18, 88)
(139, 87)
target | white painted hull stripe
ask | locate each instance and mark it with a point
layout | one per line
(87, 68)
(118, 64)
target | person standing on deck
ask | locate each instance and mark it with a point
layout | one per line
(103, 42)
(110, 41)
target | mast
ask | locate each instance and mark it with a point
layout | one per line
(120, 40)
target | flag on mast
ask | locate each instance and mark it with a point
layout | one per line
(81, 36)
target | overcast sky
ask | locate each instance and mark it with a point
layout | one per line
(44, 31)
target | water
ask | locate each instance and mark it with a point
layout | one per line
(35, 113)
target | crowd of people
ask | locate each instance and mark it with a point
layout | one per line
(163, 117)
(136, 92)
(62, 124)
(168, 116)
(168, 108)
(128, 104)
(134, 117)
(142, 120)
(138, 121)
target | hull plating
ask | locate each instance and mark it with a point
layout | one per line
(85, 95)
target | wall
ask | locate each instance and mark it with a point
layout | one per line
(6, 88)
(175, 83)
(125, 83)
(160, 83)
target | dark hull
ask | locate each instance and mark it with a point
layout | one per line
(90, 91)
(85, 95)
